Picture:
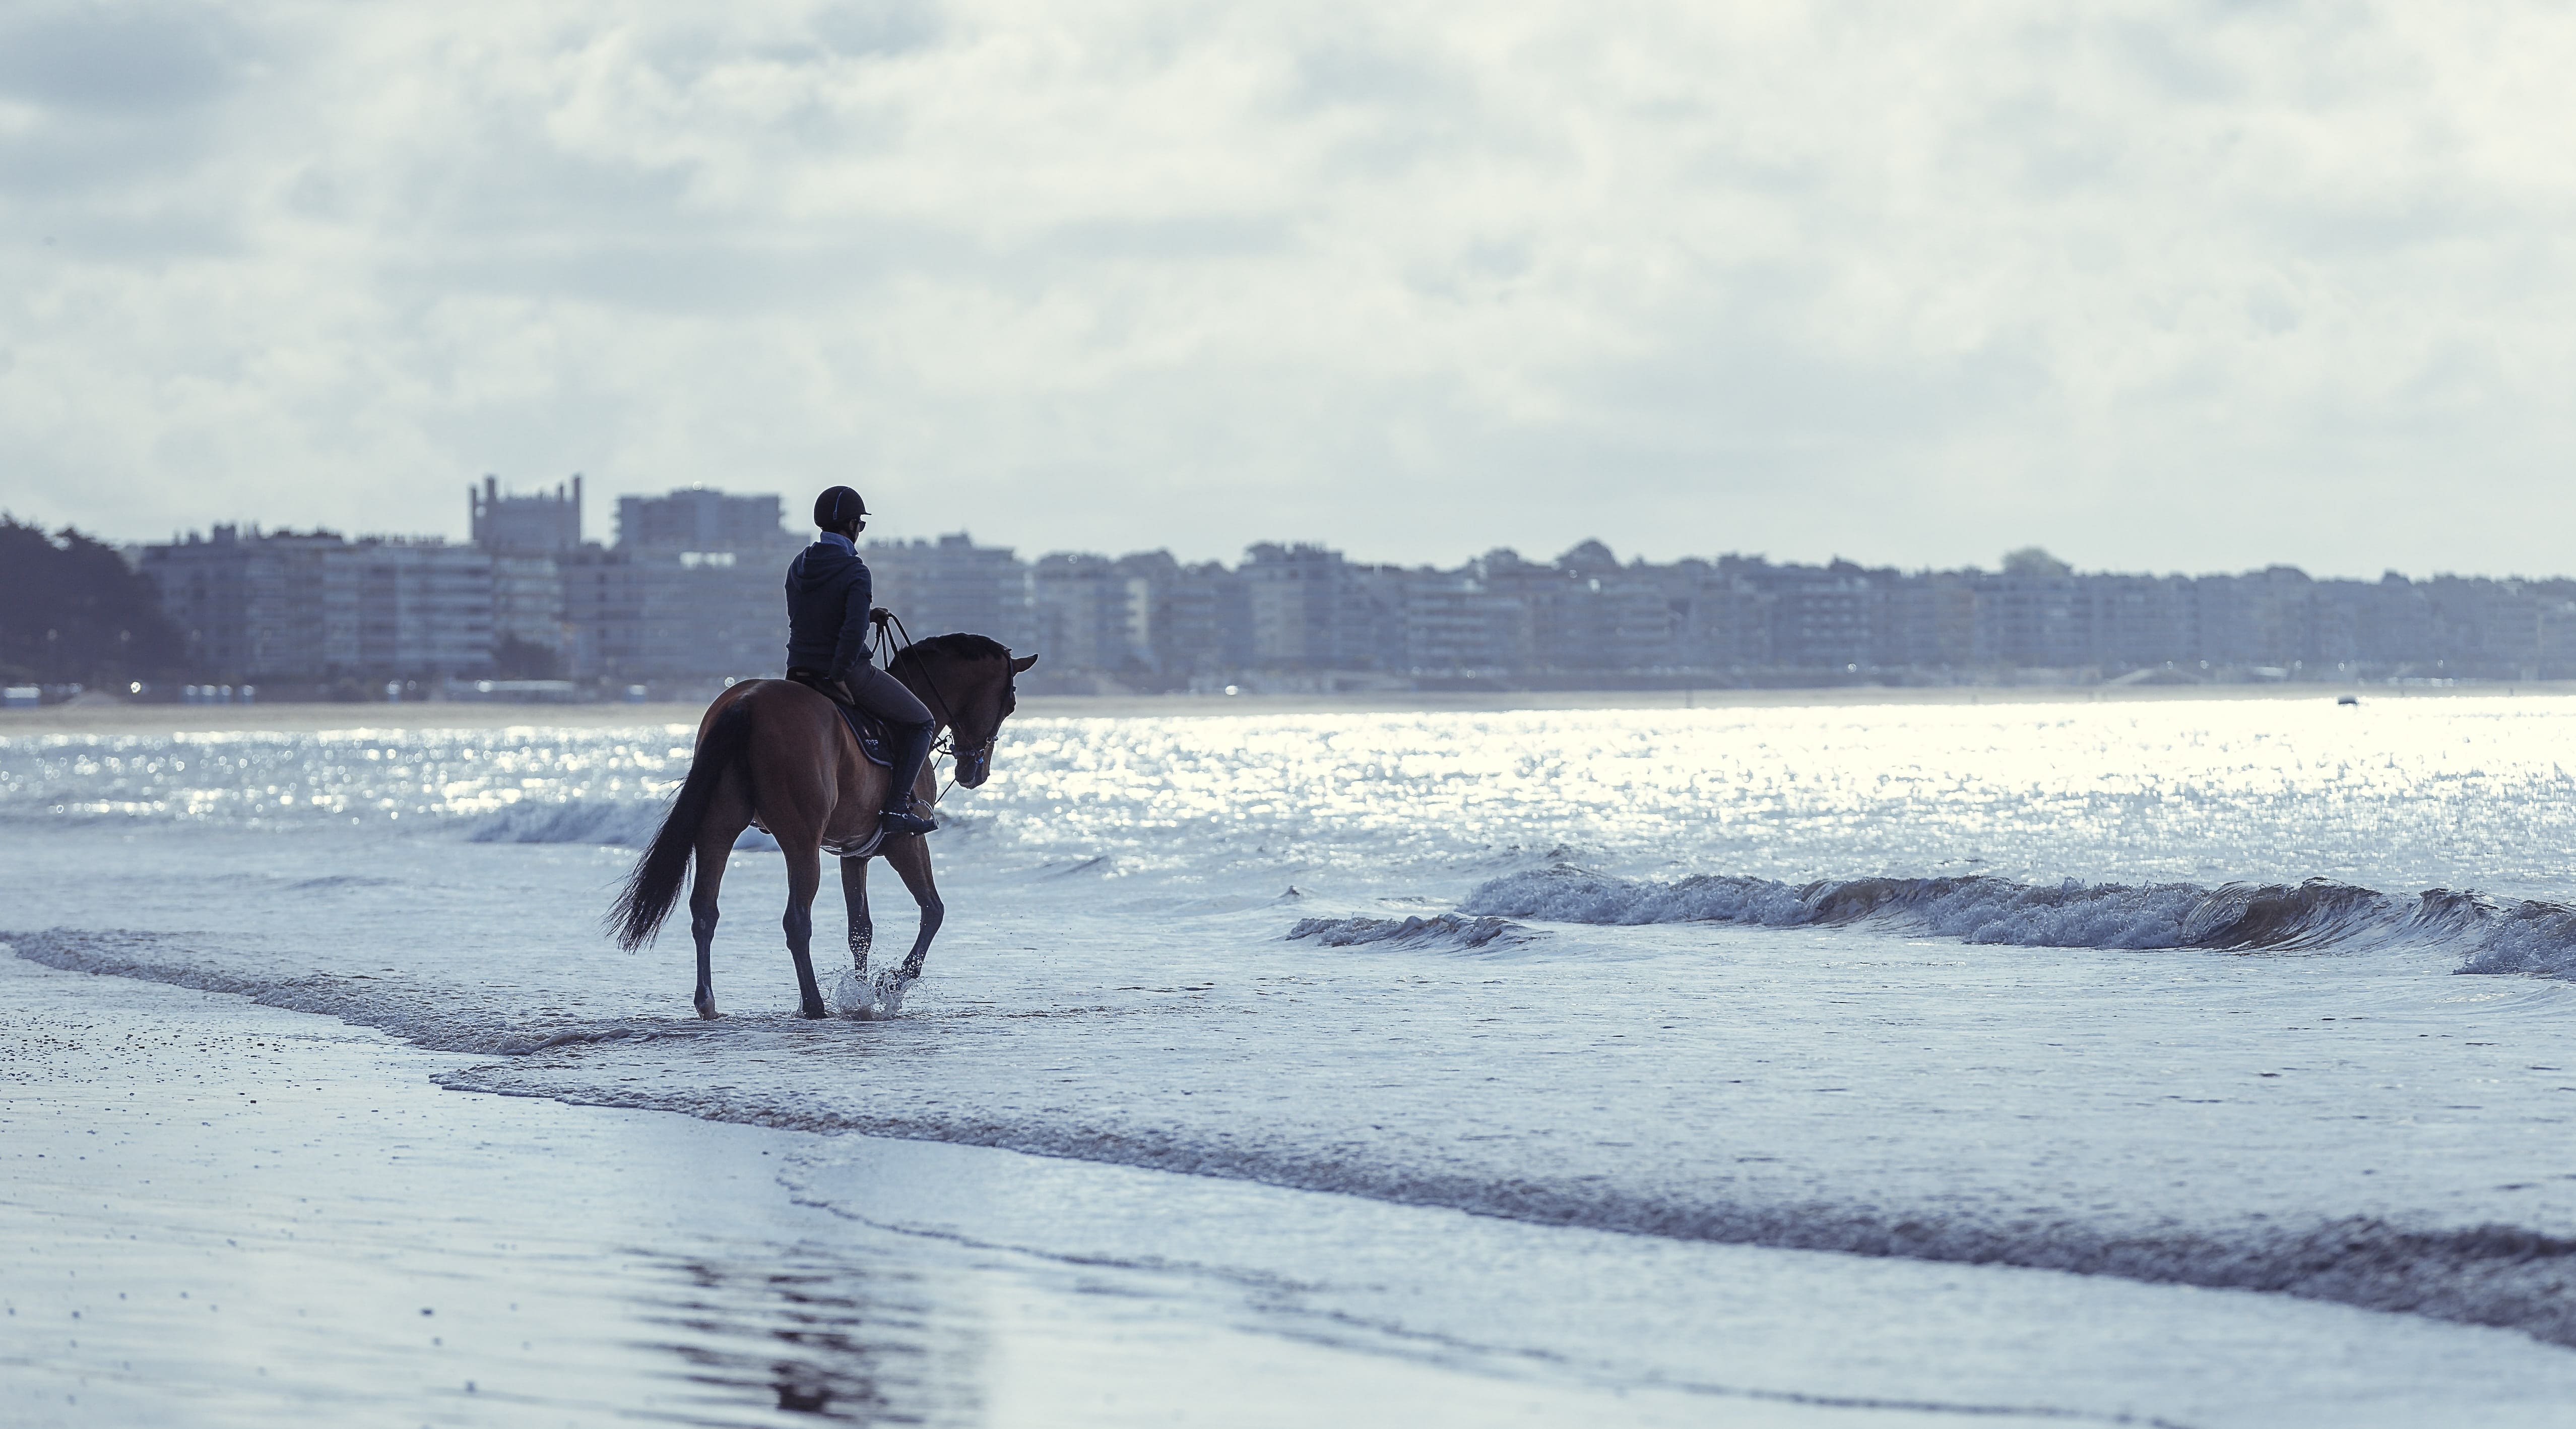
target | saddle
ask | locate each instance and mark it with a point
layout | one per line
(871, 735)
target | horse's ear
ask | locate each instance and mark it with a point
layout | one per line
(1023, 663)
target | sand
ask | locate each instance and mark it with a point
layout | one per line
(222, 1214)
(218, 1213)
(103, 718)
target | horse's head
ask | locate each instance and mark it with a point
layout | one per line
(978, 724)
(966, 682)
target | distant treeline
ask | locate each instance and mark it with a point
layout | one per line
(72, 612)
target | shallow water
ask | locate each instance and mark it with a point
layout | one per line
(1655, 972)
(224, 1215)
(2394, 794)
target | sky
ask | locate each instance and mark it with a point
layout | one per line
(2159, 286)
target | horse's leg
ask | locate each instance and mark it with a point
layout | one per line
(702, 926)
(727, 816)
(911, 859)
(854, 891)
(804, 879)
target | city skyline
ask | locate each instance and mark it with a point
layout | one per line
(599, 528)
(689, 593)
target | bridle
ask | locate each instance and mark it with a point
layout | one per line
(981, 754)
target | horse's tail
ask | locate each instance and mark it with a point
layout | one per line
(664, 869)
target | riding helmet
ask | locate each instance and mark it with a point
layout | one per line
(837, 506)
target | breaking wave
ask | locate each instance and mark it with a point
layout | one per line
(1444, 930)
(624, 823)
(2493, 935)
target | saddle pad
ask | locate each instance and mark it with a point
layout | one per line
(872, 738)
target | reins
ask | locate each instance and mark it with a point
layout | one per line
(947, 745)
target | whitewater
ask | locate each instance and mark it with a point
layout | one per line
(2208, 1021)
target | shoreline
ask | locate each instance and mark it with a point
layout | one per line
(200, 1196)
(284, 717)
(200, 1182)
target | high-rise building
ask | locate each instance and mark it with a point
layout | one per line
(539, 524)
(952, 584)
(423, 606)
(676, 616)
(2141, 622)
(1185, 623)
(289, 607)
(1456, 627)
(2036, 618)
(696, 518)
(1309, 610)
(525, 536)
(2261, 619)
(1085, 618)
(1725, 619)
(694, 590)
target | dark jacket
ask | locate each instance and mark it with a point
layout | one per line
(828, 593)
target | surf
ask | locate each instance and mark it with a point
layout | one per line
(2489, 935)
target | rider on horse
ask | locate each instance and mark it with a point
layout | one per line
(828, 591)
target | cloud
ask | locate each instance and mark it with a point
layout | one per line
(124, 60)
(2158, 285)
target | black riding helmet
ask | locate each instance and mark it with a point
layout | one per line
(838, 507)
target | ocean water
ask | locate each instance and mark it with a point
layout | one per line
(2270, 996)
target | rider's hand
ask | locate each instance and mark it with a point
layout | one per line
(880, 615)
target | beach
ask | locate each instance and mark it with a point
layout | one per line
(2081, 1061)
(222, 1214)
(225, 1214)
(103, 717)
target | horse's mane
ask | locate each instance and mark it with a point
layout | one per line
(960, 645)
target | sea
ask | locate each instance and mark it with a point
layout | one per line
(2261, 1006)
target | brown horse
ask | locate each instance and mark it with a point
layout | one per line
(777, 754)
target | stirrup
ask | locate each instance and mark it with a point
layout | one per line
(897, 822)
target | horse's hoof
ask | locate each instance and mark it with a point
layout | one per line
(707, 1008)
(817, 1011)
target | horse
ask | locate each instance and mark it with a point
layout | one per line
(778, 754)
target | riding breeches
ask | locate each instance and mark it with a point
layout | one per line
(906, 718)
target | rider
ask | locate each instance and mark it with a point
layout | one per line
(827, 646)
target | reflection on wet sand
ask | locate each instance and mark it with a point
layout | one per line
(818, 1336)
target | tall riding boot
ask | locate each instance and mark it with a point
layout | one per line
(912, 750)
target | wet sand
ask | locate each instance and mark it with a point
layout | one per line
(152, 719)
(220, 1213)
(217, 1213)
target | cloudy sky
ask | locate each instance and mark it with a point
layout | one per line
(2158, 285)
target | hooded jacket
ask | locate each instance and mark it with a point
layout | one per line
(828, 595)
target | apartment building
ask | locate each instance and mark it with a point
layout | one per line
(288, 607)
(952, 584)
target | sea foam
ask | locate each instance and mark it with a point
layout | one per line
(1444, 930)
(624, 823)
(2492, 935)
